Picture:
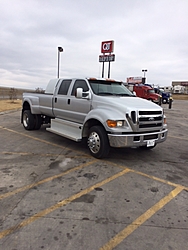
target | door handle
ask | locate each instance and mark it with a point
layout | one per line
(55, 99)
(68, 101)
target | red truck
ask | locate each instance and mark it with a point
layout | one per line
(146, 92)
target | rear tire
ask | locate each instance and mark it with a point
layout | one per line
(28, 120)
(38, 122)
(98, 142)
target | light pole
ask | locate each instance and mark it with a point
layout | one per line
(144, 78)
(59, 49)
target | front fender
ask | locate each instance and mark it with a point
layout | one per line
(103, 114)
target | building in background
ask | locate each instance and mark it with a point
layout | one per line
(180, 87)
(134, 80)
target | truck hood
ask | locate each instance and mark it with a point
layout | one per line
(125, 103)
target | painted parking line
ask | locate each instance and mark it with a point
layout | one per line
(43, 155)
(27, 153)
(24, 188)
(120, 236)
(116, 240)
(39, 154)
(159, 179)
(59, 204)
(41, 140)
(148, 176)
(18, 190)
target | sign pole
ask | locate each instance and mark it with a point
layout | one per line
(109, 67)
(102, 69)
(107, 47)
(109, 70)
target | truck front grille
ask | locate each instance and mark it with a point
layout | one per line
(150, 120)
(157, 112)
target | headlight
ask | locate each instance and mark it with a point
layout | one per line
(114, 124)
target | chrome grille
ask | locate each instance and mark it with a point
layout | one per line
(148, 120)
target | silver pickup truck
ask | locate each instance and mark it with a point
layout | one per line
(102, 110)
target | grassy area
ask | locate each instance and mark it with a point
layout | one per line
(6, 105)
(180, 97)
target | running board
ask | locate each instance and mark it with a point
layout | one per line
(66, 129)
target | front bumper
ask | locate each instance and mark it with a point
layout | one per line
(136, 140)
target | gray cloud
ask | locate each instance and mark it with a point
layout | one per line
(147, 34)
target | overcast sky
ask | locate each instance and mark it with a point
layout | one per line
(147, 34)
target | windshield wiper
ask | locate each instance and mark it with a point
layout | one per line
(105, 93)
(114, 94)
(124, 94)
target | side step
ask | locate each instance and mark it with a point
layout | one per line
(66, 129)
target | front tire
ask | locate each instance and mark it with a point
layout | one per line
(164, 101)
(98, 142)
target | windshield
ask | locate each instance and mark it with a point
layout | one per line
(151, 91)
(101, 87)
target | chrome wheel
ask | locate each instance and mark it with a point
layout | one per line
(25, 120)
(94, 142)
(28, 120)
(98, 143)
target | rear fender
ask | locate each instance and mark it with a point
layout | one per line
(31, 104)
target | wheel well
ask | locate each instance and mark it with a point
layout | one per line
(25, 106)
(90, 123)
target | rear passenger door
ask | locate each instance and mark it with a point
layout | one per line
(60, 103)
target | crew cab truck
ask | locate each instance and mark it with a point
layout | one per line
(146, 92)
(103, 111)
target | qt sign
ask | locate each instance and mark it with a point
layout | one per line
(107, 47)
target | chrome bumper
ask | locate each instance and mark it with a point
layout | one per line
(136, 140)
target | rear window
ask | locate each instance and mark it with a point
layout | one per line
(63, 89)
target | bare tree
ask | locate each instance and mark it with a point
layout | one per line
(13, 94)
(39, 90)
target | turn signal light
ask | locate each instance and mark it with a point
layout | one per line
(164, 120)
(114, 124)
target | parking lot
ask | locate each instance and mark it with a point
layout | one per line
(54, 195)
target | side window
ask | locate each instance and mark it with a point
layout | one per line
(80, 84)
(63, 89)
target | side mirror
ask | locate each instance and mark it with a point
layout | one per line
(79, 93)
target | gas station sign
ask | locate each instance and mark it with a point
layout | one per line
(107, 47)
(107, 58)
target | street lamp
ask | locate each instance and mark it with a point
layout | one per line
(59, 49)
(144, 70)
(144, 78)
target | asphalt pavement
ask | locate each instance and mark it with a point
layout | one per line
(54, 195)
